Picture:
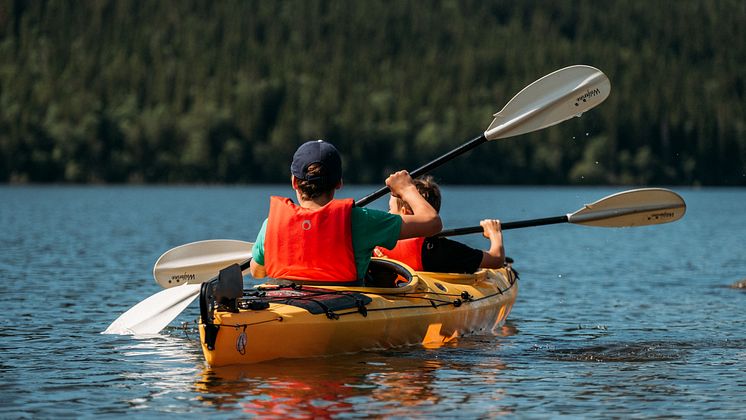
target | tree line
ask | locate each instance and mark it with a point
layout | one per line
(198, 91)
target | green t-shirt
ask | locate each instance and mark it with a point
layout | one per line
(370, 228)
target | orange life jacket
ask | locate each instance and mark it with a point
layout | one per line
(408, 251)
(303, 244)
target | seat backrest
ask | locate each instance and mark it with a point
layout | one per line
(385, 273)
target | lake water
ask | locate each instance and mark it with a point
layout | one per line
(638, 322)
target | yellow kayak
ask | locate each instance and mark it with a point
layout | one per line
(396, 307)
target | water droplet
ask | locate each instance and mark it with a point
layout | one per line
(596, 162)
(586, 134)
(559, 275)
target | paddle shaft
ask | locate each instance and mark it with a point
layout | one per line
(554, 98)
(508, 225)
(640, 207)
(427, 168)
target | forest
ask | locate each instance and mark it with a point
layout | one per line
(204, 91)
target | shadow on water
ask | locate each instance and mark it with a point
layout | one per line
(618, 352)
(649, 351)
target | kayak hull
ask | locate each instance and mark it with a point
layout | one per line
(432, 308)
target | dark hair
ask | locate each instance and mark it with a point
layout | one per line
(315, 187)
(428, 189)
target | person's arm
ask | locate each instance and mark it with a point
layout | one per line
(257, 261)
(495, 256)
(257, 270)
(425, 221)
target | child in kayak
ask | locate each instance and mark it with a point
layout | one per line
(329, 240)
(441, 254)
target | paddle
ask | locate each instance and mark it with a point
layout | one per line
(186, 266)
(640, 207)
(201, 261)
(153, 314)
(554, 98)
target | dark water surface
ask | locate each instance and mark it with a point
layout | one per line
(638, 322)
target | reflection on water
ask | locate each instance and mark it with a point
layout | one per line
(402, 382)
(323, 387)
(413, 381)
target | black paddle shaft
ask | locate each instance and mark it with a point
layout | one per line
(506, 226)
(427, 168)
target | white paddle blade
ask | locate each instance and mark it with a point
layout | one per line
(198, 262)
(556, 97)
(154, 313)
(641, 207)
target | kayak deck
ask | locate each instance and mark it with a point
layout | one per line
(273, 321)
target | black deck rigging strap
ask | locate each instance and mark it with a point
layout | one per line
(315, 300)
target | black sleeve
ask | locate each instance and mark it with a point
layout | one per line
(447, 256)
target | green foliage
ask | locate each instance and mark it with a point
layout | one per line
(204, 91)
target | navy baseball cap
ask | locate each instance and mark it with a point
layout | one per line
(323, 153)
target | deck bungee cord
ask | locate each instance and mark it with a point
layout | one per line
(260, 298)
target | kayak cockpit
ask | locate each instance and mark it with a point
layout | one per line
(384, 273)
